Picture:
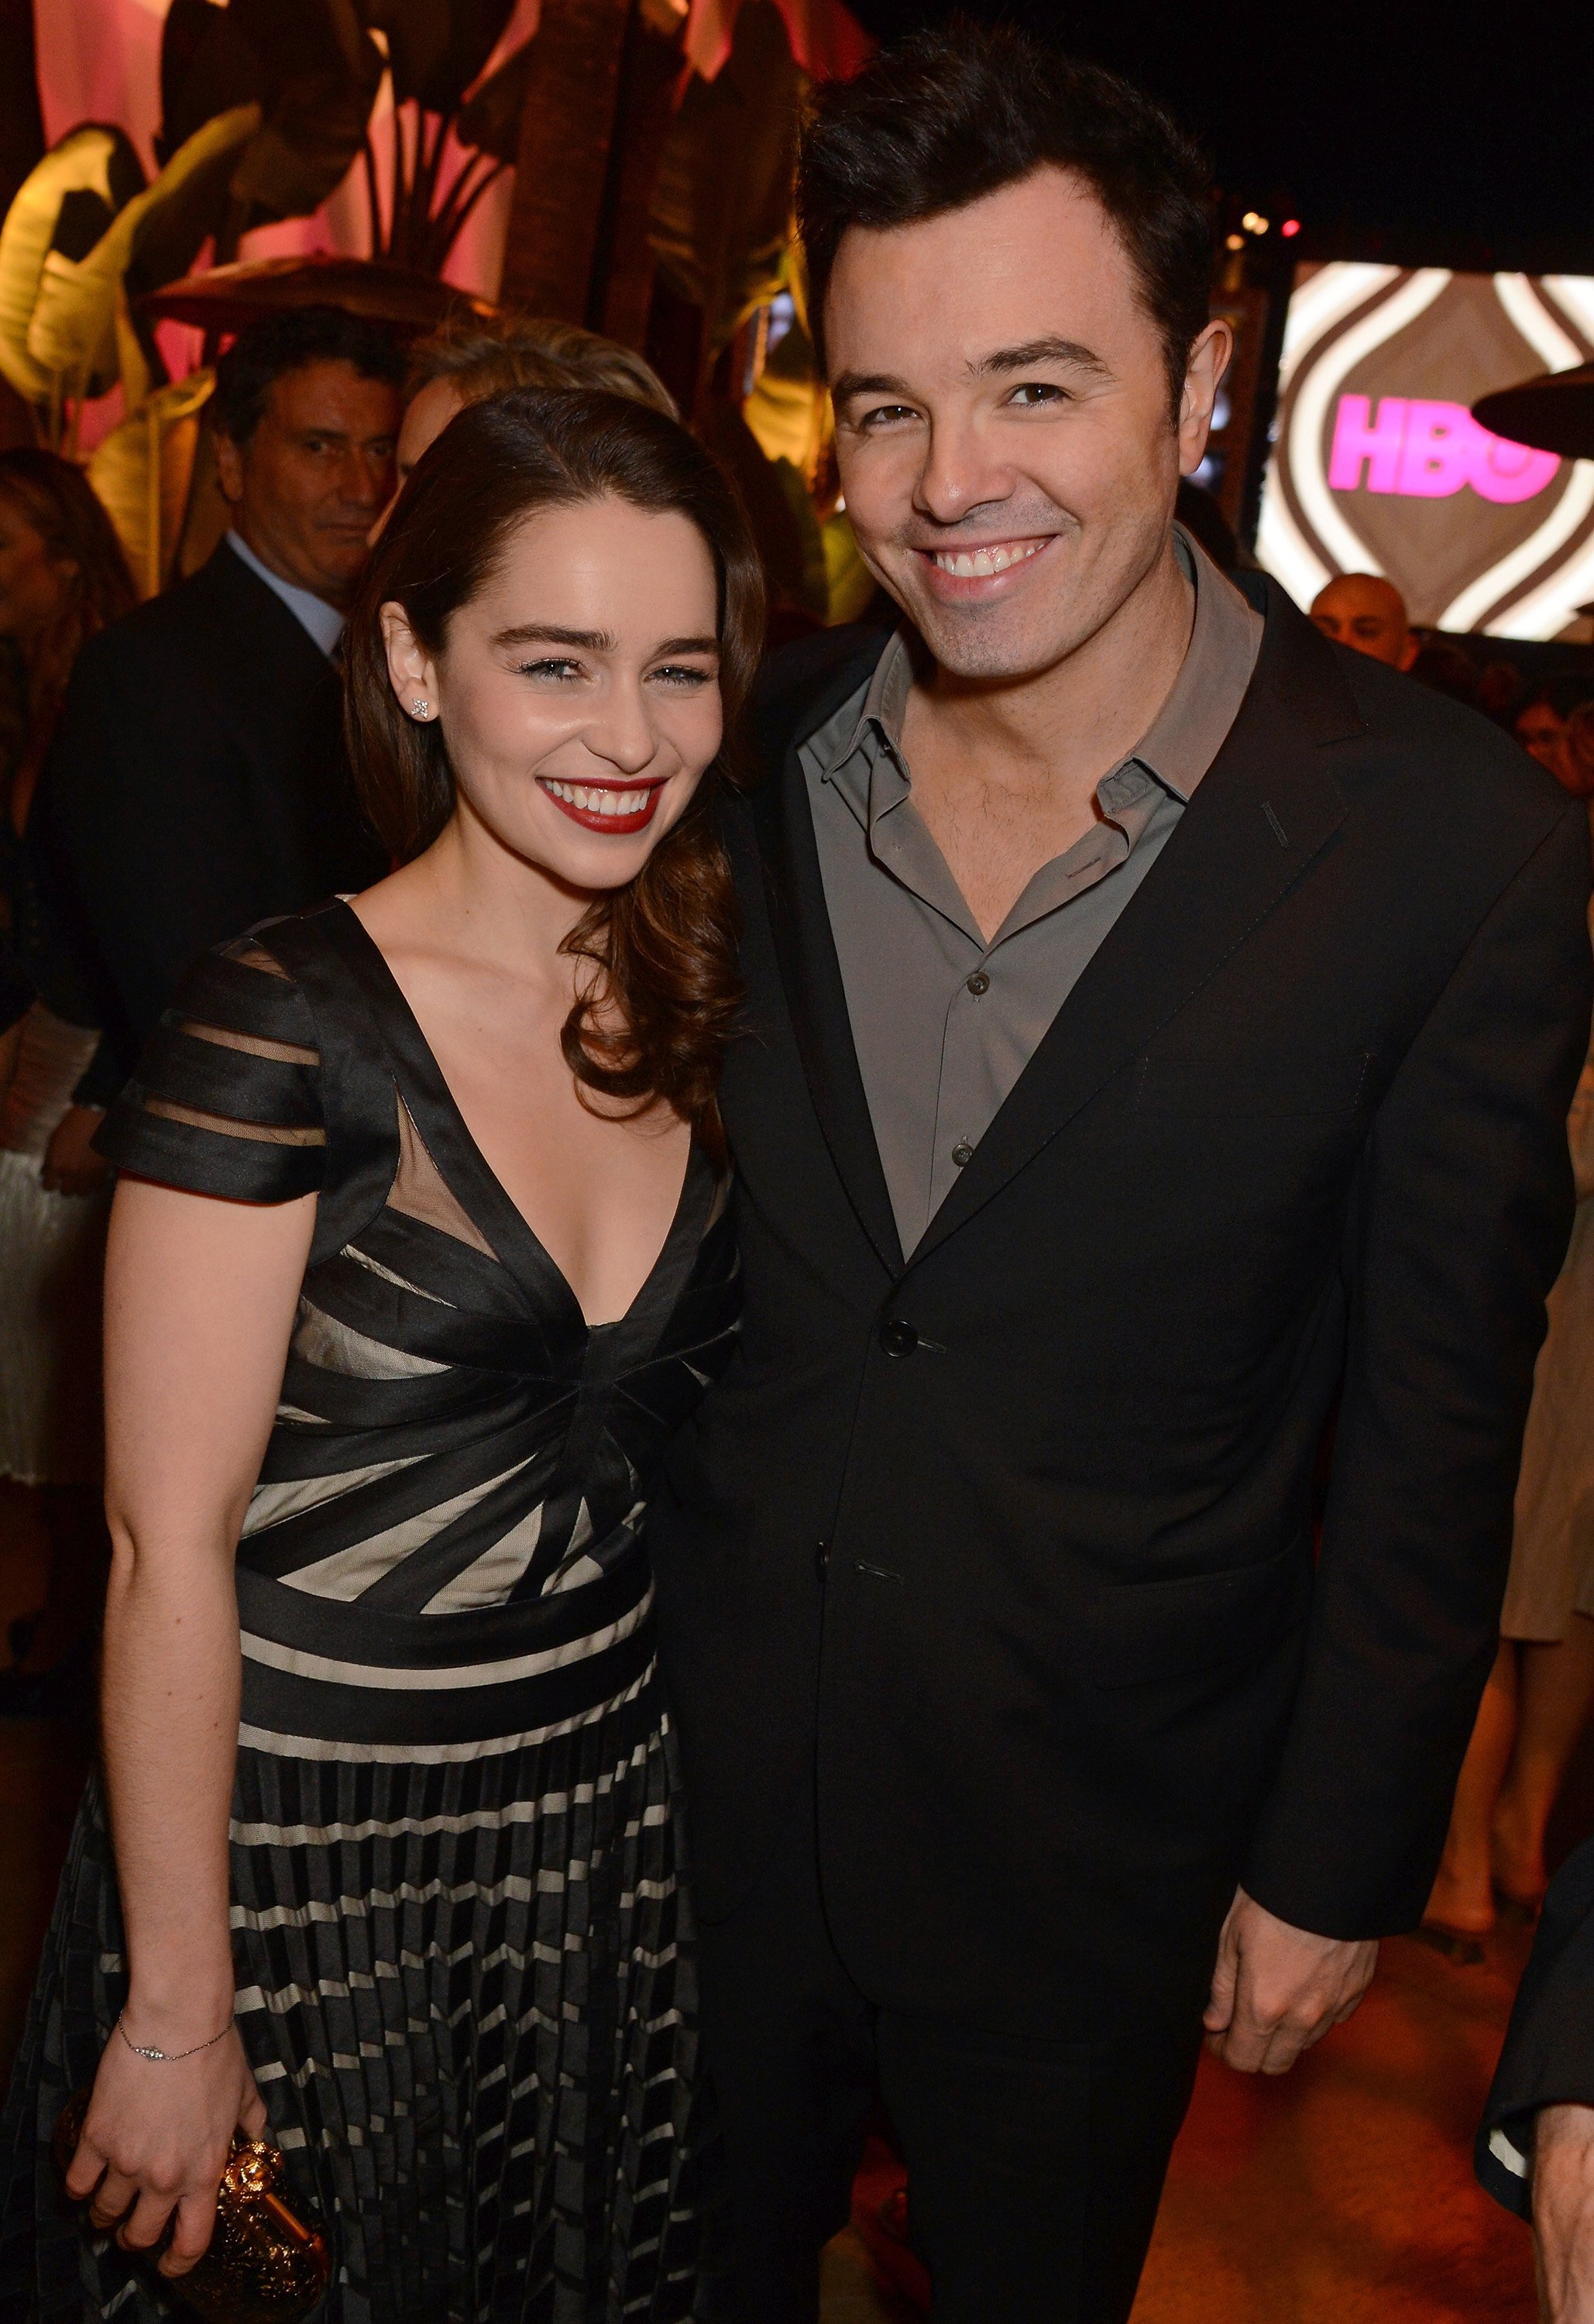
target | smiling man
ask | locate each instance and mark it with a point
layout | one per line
(198, 782)
(1162, 1024)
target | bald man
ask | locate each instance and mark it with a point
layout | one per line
(1366, 611)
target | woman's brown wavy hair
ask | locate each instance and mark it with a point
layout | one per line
(653, 1017)
(97, 587)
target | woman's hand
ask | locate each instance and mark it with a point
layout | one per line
(155, 2143)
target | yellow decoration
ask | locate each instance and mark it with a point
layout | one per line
(142, 472)
(789, 410)
(849, 583)
(72, 333)
(80, 163)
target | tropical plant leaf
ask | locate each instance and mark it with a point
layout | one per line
(849, 583)
(789, 410)
(312, 67)
(781, 518)
(141, 472)
(436, 47)
(300, 38)
(786, 408)
(207, 516)
(138, 358)
(721, 214)
(73, 329)
(814, 594)
(93, 165)
(490, 120)
(206, 66)
(315, 128)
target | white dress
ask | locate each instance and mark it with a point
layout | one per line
(51, 1256)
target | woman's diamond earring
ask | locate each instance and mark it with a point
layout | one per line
(421, 706)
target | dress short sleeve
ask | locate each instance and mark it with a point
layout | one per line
(226, 1099)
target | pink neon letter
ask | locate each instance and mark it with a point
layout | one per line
(1504, 471)
(1437, 460)
(1356, 440)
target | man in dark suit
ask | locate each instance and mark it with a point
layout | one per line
(1535, 2148)
(1161, 1027)
(198, 781)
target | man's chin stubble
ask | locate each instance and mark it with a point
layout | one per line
(976, 646)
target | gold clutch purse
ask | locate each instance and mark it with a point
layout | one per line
(264, 2264)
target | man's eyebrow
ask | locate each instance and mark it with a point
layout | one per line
(1039, 351)
(999, 362)
(866, 382)
(545, 633)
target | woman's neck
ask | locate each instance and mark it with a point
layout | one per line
(497, 907)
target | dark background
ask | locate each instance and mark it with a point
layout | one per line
(1458, 134)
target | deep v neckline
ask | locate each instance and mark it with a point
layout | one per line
(449, 1140)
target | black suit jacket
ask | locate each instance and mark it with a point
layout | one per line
(1009, 1548)
(196, 784)
(1548, 2057)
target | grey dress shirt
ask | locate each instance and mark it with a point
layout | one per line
(943, 1022)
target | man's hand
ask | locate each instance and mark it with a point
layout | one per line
(71, 1165)
(1277, 1990)
(1564, 2212)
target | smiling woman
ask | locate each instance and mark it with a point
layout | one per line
(420, 1256)
(518, 592)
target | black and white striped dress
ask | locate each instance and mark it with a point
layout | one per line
(457, 1917)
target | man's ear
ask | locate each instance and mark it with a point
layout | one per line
(1408, 652)
(229, 468)
(1210, 355)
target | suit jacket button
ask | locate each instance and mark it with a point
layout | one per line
(898, 1338)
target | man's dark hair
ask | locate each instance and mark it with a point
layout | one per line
(953, 115)
(266, 351)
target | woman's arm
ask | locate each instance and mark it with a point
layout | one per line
(201, 1297)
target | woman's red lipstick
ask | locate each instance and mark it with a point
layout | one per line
(590, 804)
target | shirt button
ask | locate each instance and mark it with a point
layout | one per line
(979, 983)
(962, 1154)
(898, 1338)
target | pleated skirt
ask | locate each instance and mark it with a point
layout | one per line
(466, 1990)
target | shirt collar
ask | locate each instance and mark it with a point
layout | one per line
(323, 622)
(1178, 748)
(1188, 731)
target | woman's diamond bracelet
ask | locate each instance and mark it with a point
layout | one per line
(170, 2057)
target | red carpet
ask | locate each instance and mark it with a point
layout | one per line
(1339, 2194)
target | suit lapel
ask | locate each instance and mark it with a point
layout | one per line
(271, 680)
(1266, 808)
(810, 972)
(264, 656)
(280, 699)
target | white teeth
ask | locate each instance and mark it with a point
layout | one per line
(592, 801)
(979, 564)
